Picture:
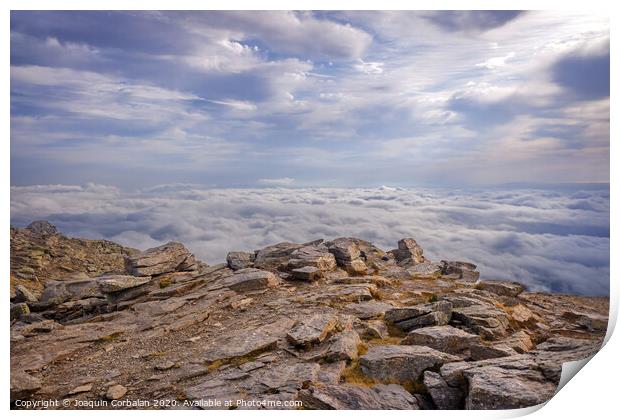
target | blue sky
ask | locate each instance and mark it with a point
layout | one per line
(136, 99)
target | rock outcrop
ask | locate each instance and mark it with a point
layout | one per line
(330, 325)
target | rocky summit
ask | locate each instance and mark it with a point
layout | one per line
(336, 324)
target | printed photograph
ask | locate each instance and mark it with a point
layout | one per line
(306, 210)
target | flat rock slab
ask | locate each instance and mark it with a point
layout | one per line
(246, 342)
(312, 330)
(355, 397)
(23, 385)
(485, 319)
(418, 316)
(248, 279)
(502, 288)
(369, 309)
(444, 338)
(401, 364)
(116, 283)
(166, 258)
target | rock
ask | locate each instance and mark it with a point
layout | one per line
(522, 315)
(312, 256)
(116, 283)
(444, 396)
(375, 329)
(425, 270)
(23, 295)
(306, 273)
(166, 365)
(483, 352)
(289, 376)
(343, 346)
(57, 292)
(419, 316)
(23, 385)
(369, 309)
(240, 260)
(409, 252)
(116, 392)
(19, 309)
(519, 342)
(356, 267)
(401, 364)
(312, 330)
(443, 338)
(348, 293)
(249, 279)
(42, 228)
(484, 319)
(501, 288)
(355, 397)
(275, 256)
(81, 389)
(460, 270)
(591, 322)
(494, 387)
(158, 308)
(166, 258)
(240, 343)
(347, 254)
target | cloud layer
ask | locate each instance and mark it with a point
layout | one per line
(548, 239)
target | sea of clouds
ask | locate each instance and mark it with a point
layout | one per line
(550, 240)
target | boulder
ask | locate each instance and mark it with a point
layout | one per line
(57, 292)
(501, 288)
(307, 273)
(312, 256)
(275, 256)
(444, 396)
(312, 330)
(409, 252)
(425, 270)
(369, 309)
(239, 260)
(249, 279)
(342, 346)
(591, 322)
(347, 254)
(486, 320)
(116, 283)
(167, 258)
(444, 338)
(460, 270)
(412, 317)
(490, 351)
(401, 364)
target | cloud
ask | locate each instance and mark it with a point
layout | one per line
(369, 67)
(476, 20)
(276, 181)
(547, 239)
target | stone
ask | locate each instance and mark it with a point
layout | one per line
(444, 338)
(19, 309)
(349, 293)
(401, 364)
(522, 315)
(158, 308)
(167, 258)
(409, 252)
(23, 295)
(519, 342)
(244, 343)
(239, 260)
(494, 351)
(312, 256)
(57, 292)
(412, 317)
(81, 389)
(42, 228)
(355, 267)
(425, 270)
(369, 309)
(375, 329)
(444, 396)
(343, 346)
(288, 376)
(355, 397)
(306, 273)
(249, 279)
(116, 283)
(312, 330)
(345, 250)
(23, 385)
(116, 392)
(460, 270)
(501, 288)
(165, 365)
(484, 319)
(275, 256)
(591, 322)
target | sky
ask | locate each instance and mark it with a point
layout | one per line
(305, 99)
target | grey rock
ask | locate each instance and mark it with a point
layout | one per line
(401, 364)
(369, 309)
(116, 392)
(485, 319)
(502, 288)
(239, 260)
(167, 258)
(23, 385)
(22, 294)
(444, 396)
(249, 279)
(355, 397)
(409, 251)
(57, 292)
(444, 338)
(42, 228)
(116, 283)
(312, 330)
(418, 316)
(460, 270)
(306, 273)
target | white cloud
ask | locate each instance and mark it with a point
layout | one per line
(277, 181)
(546, 239)
(369, 67)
